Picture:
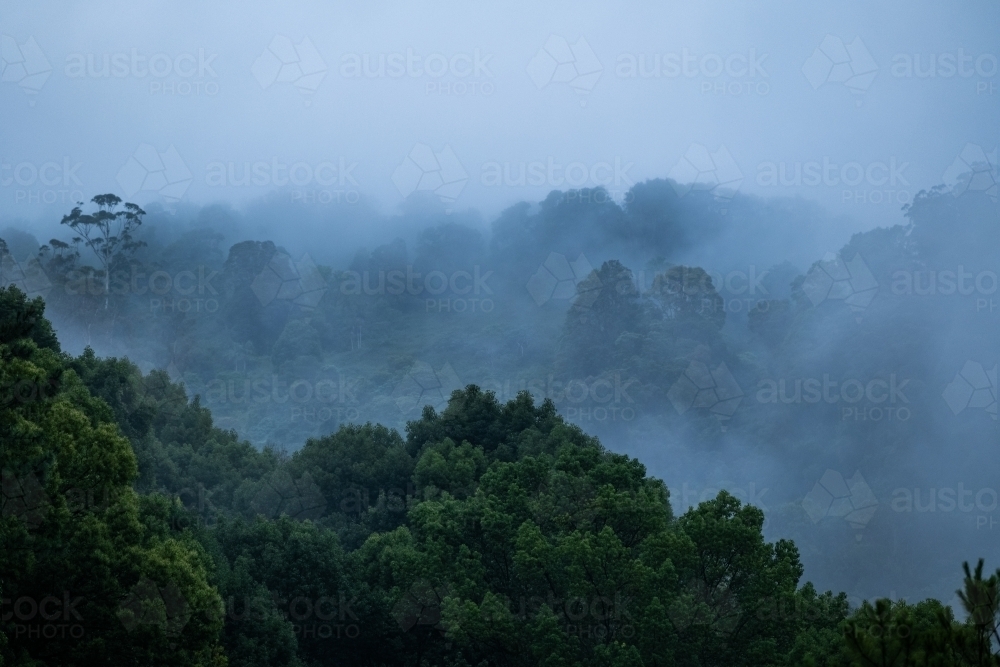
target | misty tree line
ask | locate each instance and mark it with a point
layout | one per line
(519, 540)
(493, 531)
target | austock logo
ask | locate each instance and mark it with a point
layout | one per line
(328, 182)
(835, 279)
(552, 174)
(602, 398)
(357, 500)
(713, 290)
(28, 276)
(34, 618)
(22, 497)
(859, 183)
(284, 62)
(973, 170)
(872, 400)
(595, 616)
(25, 390)
(974, 387)
(982, 67)
(442, 292)
(945, 499)
(298, 499)
(833, 496)
(558, 61)
(421, 606)
(311, 617)
(422, 385)
(700, 494)
(257, 608)
(434, 66)
(183, 74)
(835, 62)
(558, 278)
(945, 283)
(397, 282)
(727, 74)
(309, 400)
(702, 170)
(23, 64)
(149, 604)
(299, 283)
(185, 291)
(700, 387)
(424, 170)
(48, 182)
(698, 605)
(149, 170)
(157, 390)
(794, 608)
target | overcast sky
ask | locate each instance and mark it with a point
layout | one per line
(340, 102)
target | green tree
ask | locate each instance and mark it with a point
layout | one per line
(74, 531)
(981, 600)
(687, 294)
(108, 232)
(606, 306)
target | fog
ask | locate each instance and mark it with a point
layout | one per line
(719, 75)
(515, 151)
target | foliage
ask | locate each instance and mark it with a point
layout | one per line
(108, 231)
(491, 530)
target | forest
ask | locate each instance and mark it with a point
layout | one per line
(436, 450)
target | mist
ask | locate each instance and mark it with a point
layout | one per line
(753, 246)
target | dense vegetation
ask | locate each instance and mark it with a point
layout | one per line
(491, 534)
(631, 317)
(341, 467)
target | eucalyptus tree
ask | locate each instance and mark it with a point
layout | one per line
(108, 231)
